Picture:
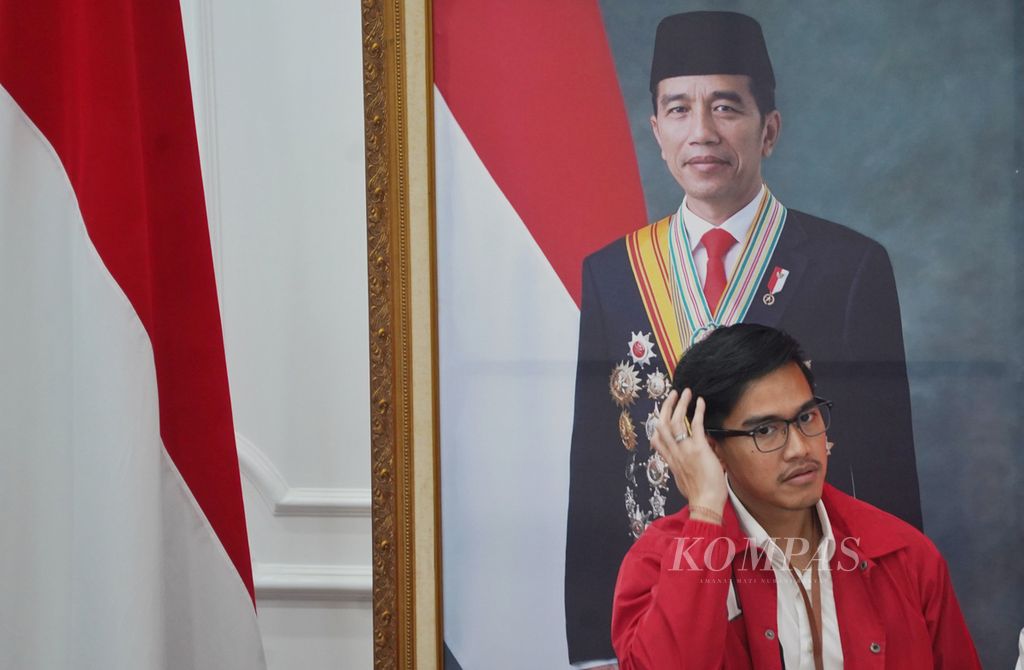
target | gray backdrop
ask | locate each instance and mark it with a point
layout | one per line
(902, 120)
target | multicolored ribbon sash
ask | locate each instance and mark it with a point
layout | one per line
(648, 250)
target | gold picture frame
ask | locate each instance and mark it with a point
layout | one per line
(397, 86)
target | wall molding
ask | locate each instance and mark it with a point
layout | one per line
(293, 581)
(285, 500)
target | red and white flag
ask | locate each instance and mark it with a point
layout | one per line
(123, 540)
(535, 170)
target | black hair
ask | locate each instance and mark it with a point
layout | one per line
(722, 366)
(763, 93)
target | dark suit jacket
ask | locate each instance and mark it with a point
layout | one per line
(839, 302)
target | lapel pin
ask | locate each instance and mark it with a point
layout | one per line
(775, 284)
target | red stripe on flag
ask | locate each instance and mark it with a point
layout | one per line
(533, 86)
(106, 82)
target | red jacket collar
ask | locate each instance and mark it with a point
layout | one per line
(879, 533)
(861, 528)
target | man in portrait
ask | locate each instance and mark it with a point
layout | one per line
(731, 253)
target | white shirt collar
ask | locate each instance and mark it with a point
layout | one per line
(752, 529)
(736, 225)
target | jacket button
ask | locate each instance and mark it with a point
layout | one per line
(770, 634)
(875, 648)
(863, 565)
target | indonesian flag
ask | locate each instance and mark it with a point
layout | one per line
(123, 541)
(535, 170)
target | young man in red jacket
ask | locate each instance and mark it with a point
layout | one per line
(768, 566)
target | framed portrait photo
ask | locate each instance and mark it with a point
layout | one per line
(526, 317)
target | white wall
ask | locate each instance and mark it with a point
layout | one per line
(278, 97)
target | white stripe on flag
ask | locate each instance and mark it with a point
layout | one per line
(508, 331)
(106, 561)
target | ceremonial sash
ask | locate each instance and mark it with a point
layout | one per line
(666, 276)
(648, 250)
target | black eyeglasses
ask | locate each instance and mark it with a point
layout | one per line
(772, 435)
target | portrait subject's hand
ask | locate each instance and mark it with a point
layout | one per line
(697, 471)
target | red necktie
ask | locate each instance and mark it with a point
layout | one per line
(717, 243)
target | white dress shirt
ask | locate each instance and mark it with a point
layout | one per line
(736, 225)
(794, 628)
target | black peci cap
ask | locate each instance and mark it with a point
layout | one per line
(698, 43)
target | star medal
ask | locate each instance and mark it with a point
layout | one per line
(651, 424)
(657, 504)
(641, 349)
(631, 474)
(626, 431)
(631, 506)
(657, 385)
(657, 470)
(624, 384)
(637, 523)
(775, 284)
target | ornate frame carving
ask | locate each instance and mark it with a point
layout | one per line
(397, 86)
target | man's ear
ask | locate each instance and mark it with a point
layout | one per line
(770, 133)
(657, 134)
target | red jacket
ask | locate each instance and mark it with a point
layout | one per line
(894, 600)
